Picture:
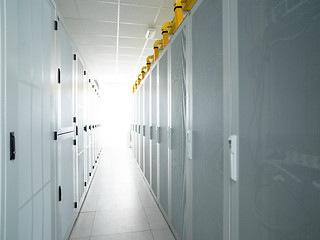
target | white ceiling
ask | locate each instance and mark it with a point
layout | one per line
(110, 34)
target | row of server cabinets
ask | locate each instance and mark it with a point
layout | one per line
(51, 127)
(226, 124)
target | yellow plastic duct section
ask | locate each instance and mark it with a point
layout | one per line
(149, 61)
(139, 79)
(178, 12)
(136, 85)
(156, 49)
(165, 35)
(143, 71)
(133, 88)
(187, 4)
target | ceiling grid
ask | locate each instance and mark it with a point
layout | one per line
(110, 34)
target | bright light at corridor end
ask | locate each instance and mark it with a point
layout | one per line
(116, 115)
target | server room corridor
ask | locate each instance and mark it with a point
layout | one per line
(119, 205)
(160, 119)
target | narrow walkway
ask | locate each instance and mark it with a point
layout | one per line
(119, 205)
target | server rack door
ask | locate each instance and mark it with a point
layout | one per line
(178, 110)
(28, 128)
(163, 124)
(153, 98)
(207, 122)
(66, 187)
(147, 129)
(80, 172)
(135, 125)
(84, 129)
(141, 128)
(279, 120)
(65, 150)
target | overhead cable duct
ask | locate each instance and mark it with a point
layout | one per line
(156, 48)
(149, 61)
(139, 79)
(143, 72)
(165, 35)
(178, 13)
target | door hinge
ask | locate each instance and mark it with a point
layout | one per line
(74, 119)
(60, 197)
(74, 57)
(85, 184)
(75, 205)
(77, 133)
(84, 72)
(56, 25)
(74, 142)
(90, 174)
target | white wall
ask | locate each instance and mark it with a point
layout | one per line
(117, 114)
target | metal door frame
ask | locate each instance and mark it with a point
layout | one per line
(3, 156)
(230, 116)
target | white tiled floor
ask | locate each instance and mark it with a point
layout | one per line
(119, 205)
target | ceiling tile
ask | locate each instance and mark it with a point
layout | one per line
(150, 43)
(152, 3)
(74, 26)
(108, 1)
(85, 49)
(132, 30)
(103, 40)
(128, 58)
(131, 42)
(104, 50)
(134, 14)
(105, 58)
(100, 28)
(80, 38)
(98, 10)
(130, 51)
(168, 4)
(165, 15)
(68, 9)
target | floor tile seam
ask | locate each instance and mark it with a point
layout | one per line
(106, 235)
(138, 231)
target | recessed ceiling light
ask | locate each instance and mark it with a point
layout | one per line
(150, 33)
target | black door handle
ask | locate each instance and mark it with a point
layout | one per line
(12, 146)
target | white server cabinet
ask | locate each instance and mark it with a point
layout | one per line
(162, 123)
(28, 60)
(142, 128)
(153, 123)
(147, 171)
(65, 135)
(178, 125)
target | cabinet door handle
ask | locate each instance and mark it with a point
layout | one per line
(12, 146)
